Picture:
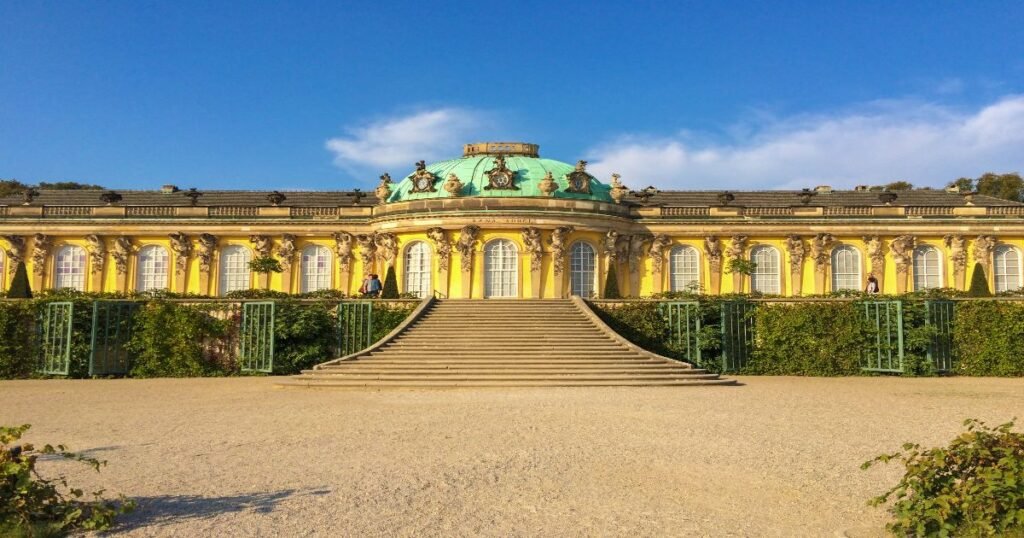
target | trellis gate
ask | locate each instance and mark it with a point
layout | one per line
(111, 330)
(355, 326)
(256, 352)
(55, 321)
(684, 324)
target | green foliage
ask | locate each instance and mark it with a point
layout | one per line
(20, 287)
(973, 487)
(304, 335)
(820, 339)
(181, 340)
(390, 288)
(899, 186)
(388, 316)
(31, 505)
(987, 338)
(741, 266)
(265, 265)
(69, 186)
(1006, 186)
(611, 283)
(18, 339)
(979, 283)
(9, 187)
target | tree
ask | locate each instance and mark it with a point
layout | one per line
(69, 186)
(265, 265)
(1005, 186)
(390, 289)
(20, 288)
(11, 186)
(964, 184)
(979, 283)
(611, 283)
(899, 186)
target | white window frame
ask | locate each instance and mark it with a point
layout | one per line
(152, 268)
(69, 267)
(1003, 269)
(417, 264)
(501, 269)
(317, 269)
(234, 269)
(684, 268)
(582, 269)
(848, 278)
(927, 272)
(767, 275)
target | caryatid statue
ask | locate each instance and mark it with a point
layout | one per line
(875, 253)
(637, 245)
(532, 242)
(261, 244)
(367, 249)
(182, 247)
(713, 251)
(343, 249)
(957, 246)
(737, 247)
(984, 246)
(442, 246)
(16, 250)
(611, 239)
(657, 252)
(207, 246)
(122, 250)
(795, 249)
(821, 248)
(286, 251)
(559, 244)
(97, 249)
(40, 250)
(902, 248)
(387, 247)
(466, 243)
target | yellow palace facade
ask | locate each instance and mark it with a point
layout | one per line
(502, 222)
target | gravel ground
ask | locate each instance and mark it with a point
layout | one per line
(236, 457)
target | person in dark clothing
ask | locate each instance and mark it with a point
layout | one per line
(872, 286)
(372, 286)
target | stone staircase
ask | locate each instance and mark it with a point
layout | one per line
(503, 343)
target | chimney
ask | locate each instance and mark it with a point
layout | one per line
(823, 189)
(861, 188)
(169, 189)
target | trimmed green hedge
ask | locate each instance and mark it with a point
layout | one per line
(989, 338)
(173, 339)
(820, 339)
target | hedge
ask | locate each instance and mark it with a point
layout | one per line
(819, 338)
(179, 339)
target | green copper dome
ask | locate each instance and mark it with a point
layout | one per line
(526, 168)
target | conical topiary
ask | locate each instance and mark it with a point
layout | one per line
(390, 289)
(979, 283)
(20, 288)
(611, 283)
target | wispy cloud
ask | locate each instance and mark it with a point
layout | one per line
(923, 143)
(397, 142)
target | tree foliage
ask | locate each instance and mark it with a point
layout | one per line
(899, 186)
(10, 187)
(611, 283)
(31, 505)
(20, 287)
(973, 487)
(1009, 186)
(265, 265)
(390, 287)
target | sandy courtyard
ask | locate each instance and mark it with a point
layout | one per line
(236, 457)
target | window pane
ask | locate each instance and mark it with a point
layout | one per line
(316, 269)
(845, 268)
(152, 269)
(1007, 268)
(927, 268)
(501, 277)
(582, 270)
(70, 268)
(417, 269)
(684, 269)
(766, 275)
(234, 269)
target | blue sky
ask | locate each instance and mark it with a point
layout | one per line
(679, 94)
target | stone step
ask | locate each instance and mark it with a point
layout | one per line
(302, 382)
(447, 367)
(398, 359)
(504, 376)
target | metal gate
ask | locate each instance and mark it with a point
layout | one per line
(683, 320)
(111, 331)
(355, 326)
(55, 322)
(737, 334)
(885, 352)
(257, 337)
(939, 313)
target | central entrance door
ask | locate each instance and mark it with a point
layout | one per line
(501, 269)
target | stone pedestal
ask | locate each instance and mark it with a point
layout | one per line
(467, 283)
(204, 283)
(901, 281)
(122, 280)
(344, 280)
(659, 281)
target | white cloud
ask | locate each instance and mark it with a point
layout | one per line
(884, 141)
(396, 143)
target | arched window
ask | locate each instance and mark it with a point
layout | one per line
(152, 268)
(766, 275)
(582, 269)
(845, 268)
(684, 268)
(927, 268)
(316, 269)
(234, 269)
(417, 269)
(1007, 268)
(2, 273)
(69, 268)
(501, 269)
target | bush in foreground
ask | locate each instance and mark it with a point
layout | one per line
(31, 505)
(973, 487)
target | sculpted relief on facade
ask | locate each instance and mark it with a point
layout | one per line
(343, 249)
(465, 245)
(286, 251)
(181, 244)
(121, 253)
(40, 251)
(97, 249)
(442, 246)
(821, 251)
(15, 252)
(713, 252)
(657, 252)
(902, 248)
(207, 247)
(533, 244)
(559, 244)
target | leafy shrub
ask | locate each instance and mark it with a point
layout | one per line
(821, 339)
(18, 339)
(31, 505)
(987, 338)
(181, 340)
(20, 287)
(304, 335)
(388, 316)
(611, 283)
(265, 265)
(973, 487)
(390, 288)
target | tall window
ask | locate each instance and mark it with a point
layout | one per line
(1007, 268)
(69, 268)
(684, 268)
(316, 268)
(582, 269)
(845, 268)
(501, 269)
(152, 268)
(927, 268)
(766, 275)
(234, 269)
(2, 268)
(417, 269)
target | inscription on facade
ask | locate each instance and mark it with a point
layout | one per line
(494, 220)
